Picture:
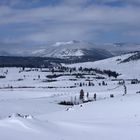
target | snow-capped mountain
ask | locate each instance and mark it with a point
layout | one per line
(74, 50)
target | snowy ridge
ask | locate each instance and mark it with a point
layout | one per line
(130, 69)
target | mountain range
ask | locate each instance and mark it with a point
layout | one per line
(74, 50)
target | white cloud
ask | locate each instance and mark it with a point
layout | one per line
(64, 22)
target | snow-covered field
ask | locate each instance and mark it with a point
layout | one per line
(29, 108)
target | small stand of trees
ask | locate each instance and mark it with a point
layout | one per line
(83, 98)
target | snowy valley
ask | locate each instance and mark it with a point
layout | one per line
(30, 101)
(69, 69)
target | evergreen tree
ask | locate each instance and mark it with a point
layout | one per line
(81, 97)
(87, 95)
(80, 84)
(103, 83)
(89, 84)
(95, 96)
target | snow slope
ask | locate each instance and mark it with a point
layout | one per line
(110, 119)
(127, 70)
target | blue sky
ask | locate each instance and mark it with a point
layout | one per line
(36, 22)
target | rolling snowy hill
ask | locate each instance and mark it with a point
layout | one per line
(123, 64)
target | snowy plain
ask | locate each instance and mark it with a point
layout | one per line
(107, 118)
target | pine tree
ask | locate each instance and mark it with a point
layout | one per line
(95, 96)
(82, 95)
(80, 84)
(87, 95)
(89, 84)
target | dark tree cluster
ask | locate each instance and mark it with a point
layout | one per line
(92, 71)
(82, 84)
(135, 81)
(2, 76)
